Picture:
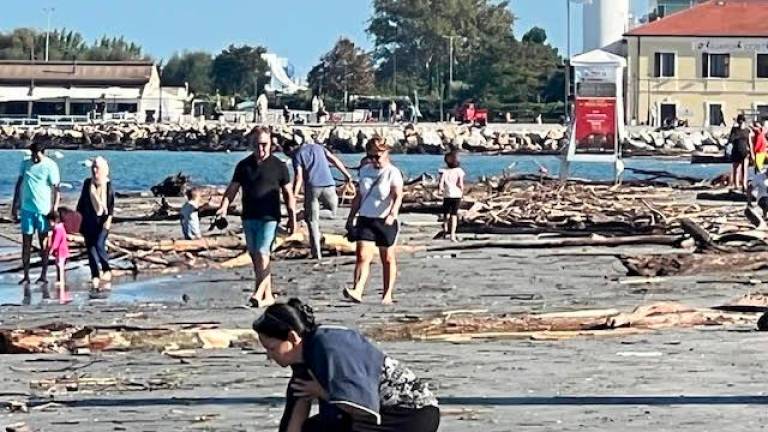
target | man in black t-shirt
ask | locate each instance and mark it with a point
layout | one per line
(262, 177)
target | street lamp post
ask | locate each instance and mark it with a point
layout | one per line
(48, 11)
(160, 107)
(394, 57)
(450, 60)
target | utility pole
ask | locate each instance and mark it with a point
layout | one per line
(394, 72)
(450, 60)
(48, 11)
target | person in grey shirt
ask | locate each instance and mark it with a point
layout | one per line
(312, 169)
(189, 215)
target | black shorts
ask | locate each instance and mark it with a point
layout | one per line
(375, 230)
(451, 206)
(739, 152)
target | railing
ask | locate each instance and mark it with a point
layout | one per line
(19, 121)
(62, 120)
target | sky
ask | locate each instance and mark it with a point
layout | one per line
(301, 30)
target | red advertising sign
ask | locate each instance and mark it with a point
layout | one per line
(595, 125)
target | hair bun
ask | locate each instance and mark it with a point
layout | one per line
(305, 312)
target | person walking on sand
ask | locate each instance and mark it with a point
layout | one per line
(189, 215)
(356, 385)
(97, 207)
(760, 145)
(452, 190)
(36, 195)
(740, 152)
(262, 177)
(312, 170)
(376, 205)
(58, 247)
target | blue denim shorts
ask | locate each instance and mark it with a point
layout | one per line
(32, 222)
(259, 235)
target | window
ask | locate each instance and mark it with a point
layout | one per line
(762, 112)
(716, 117)
(762, 65)
(664, 65)
(715, 65)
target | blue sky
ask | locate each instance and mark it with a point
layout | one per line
(301, 30)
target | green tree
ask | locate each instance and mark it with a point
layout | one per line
(490, 64)
(411, 42)
(114, 49)
(240, 70)
(536, 35)
(193, 68)
(29, 44)
(344, 67)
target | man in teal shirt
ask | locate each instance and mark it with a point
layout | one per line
(36, 195)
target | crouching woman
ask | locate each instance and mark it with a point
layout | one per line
(357, 386)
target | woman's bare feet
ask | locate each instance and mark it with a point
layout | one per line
(352, 295)
(95, 283)
(387, 300)
(106, 276)
(257, 303)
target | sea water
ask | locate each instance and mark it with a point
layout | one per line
(139, 170)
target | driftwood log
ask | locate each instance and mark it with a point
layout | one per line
(461, 326)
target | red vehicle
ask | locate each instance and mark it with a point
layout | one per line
(468, 113)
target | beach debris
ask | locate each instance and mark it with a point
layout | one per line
(458, 327)
(171, 186)
(65, 338)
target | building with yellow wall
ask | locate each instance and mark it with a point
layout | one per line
(703, 65)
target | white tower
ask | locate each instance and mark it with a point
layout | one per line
(605, 22)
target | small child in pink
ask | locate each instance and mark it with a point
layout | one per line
(58, 247)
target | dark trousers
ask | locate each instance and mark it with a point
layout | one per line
(96, 245)
(393, 419)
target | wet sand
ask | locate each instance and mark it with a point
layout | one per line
(640, 382)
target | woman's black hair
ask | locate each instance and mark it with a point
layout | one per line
(37, 149)
(280, 319)
(452, 159)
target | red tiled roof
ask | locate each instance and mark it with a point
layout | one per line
(716, 18)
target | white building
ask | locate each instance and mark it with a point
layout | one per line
(280, 82)
(605, 22)
(85, 88)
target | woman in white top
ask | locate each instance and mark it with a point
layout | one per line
(376, 205)
(452, 189)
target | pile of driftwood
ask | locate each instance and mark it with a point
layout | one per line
(463, 325)
(66, 338)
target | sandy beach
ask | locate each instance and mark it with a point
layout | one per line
(667, 379)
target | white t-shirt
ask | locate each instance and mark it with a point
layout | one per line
(377, 203)
(450, 181)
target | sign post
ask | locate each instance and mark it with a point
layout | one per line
(597, 126)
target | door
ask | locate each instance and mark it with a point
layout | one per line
(667, 113)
